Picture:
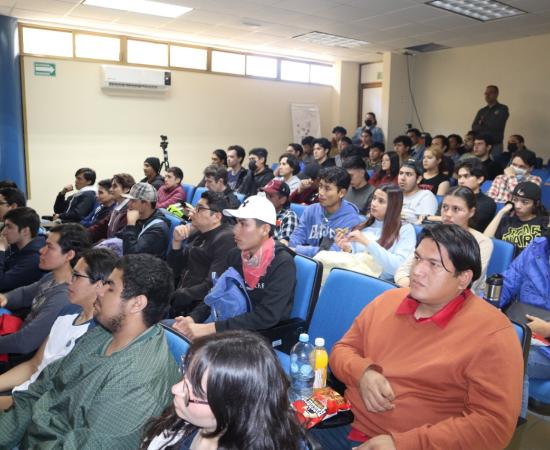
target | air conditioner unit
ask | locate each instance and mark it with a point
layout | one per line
(135, 78)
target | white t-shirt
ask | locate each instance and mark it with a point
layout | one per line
(421, 203)
(61, 340)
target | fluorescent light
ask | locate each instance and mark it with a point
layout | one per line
(142, 7)
(331, 40)
(482, 10)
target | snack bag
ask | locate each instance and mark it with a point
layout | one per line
(322, 405)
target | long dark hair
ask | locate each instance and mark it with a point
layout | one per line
(394, 167)
(392, 220)
(466, 194)
(246, 389)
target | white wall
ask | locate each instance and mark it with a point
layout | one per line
(71, 123)
(449, 86)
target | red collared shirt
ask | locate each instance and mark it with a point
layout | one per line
(442, 317)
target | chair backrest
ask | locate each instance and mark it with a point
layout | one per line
(439, 199)
(308, 283)
(177, 343)
(298, 209)
(189, 189)
(5, 311)
(502, 256)
(342, 298)
(174, 222)
(499, 206)
(546, 194)
(524, 336)
(197, 195)
(485, 186)
(418, 229)
(239, 196)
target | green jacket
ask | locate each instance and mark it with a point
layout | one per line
(87, 400)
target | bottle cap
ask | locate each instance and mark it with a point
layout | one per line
(304, 337)
(319, 342)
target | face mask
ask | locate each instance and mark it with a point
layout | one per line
(512, 148)
(252, 166)
(368, 123)
(520, 173)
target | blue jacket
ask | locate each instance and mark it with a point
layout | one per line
(528, 277)
(314, 226)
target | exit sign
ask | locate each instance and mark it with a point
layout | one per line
(43, 69)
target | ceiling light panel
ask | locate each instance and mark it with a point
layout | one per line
(482, 10)
(330, 40)
(142, 7)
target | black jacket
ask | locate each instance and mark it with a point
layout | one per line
(253, 182)
(20, 267)
(204, 256)
(75, 207)
(154, 240)
(240, 177)
(231, 198)
(157, 182)
(271, 298)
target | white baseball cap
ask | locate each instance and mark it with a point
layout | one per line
(254, 207)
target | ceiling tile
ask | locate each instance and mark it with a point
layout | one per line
(143, 20)
(7, 3)
(94, 12)
(46, 6)
(5, 10)
(305, 6)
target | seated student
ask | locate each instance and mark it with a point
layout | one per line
(201, 415)
(236, 171)
(258, 174)
(108, 227)
(118, 375)
(433, 178)
(515, 142)
(521, 220)
(405, 392)
(417, 147)
(87, 281)
(416, 202)
(47, 296)
(374, 161)
(288, 168)
(370, 125)
(204, 258)
(338, 133)
(402, 146)
(171, 191)
(215, 180)
(320, 222)
(20, 249)
(308, 191)
(77, 206)
(321, 152)
(458, 208)
(147, 228)
(365, 142)
(471, 173)
(342, 147)
(382, 235)
(105, 206)
(389, 170)
(482, 150)
(10, 198)
(295, 150)
(267, 268)
(307, 145)
(218, 160)
(278, 193)
(523, 163)
(447, 165)
(151, 170)
(360, 191)
(454, 149)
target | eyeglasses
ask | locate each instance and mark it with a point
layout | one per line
(200, 208)
(75, 275)
(185, 393)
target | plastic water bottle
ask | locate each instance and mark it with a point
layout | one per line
(301, 369)
(320, 364)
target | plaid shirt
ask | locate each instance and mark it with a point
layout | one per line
(503, 186)
(287, 221)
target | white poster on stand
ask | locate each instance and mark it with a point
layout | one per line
(306, 121)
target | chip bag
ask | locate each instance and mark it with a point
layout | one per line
(322, 405)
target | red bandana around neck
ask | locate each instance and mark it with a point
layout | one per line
(255, 266)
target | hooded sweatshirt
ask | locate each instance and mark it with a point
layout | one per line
(20, 267)
(317, 229)
(147, 236)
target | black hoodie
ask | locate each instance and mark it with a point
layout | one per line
(20, 267)
(147, 236)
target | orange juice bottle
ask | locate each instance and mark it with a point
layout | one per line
(320, 366)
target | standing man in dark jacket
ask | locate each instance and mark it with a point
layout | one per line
(19, 249)
(258, 174)
(147, 229)
(491, 120)
(151, 170)
(75, 207)
(48, 296)
(204, 257)
(267, 268)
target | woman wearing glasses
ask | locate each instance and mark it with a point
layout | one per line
(233, 395)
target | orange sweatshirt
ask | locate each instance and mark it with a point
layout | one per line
(457, 387)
